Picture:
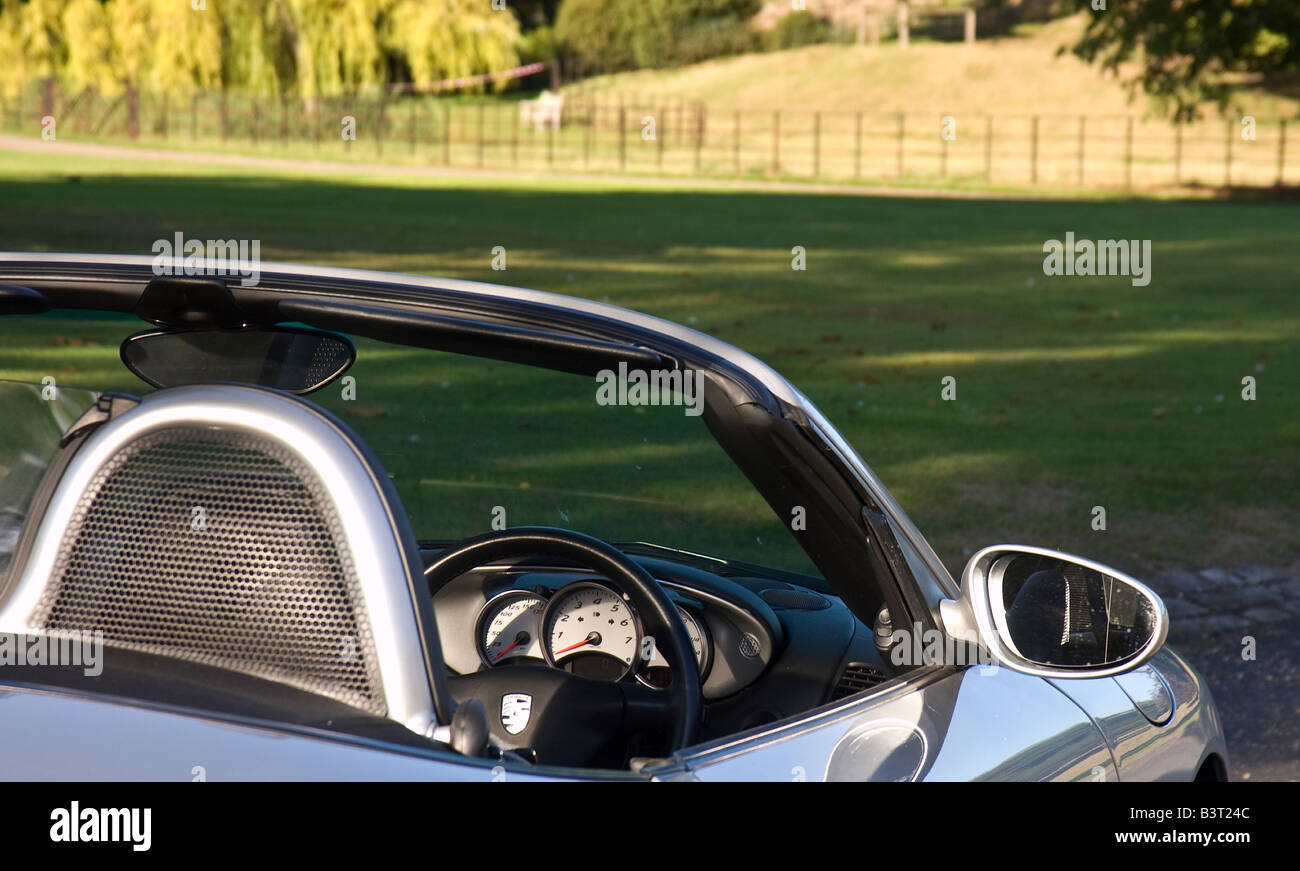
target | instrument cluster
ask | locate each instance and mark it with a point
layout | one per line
(584, 627)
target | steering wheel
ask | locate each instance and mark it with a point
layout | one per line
(575, 720)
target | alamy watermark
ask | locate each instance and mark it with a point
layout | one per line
(56, 647)
(919, 646)
(1103, 257)
(683, 387)
(198, 257)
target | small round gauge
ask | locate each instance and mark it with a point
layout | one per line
(592, 631)
(509, 628)
(656, 672)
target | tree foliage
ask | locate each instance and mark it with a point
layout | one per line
(304, 48)
(612, 35)
(1185, 48)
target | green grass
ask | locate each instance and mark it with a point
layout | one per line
(1016, 75)
(1071, 392)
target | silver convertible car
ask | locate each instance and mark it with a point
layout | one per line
(327, 524)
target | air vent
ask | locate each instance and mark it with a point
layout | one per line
(857, 676)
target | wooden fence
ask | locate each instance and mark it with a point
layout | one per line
(643, 134)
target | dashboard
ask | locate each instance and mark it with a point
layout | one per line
(766, 648)
(578, 621)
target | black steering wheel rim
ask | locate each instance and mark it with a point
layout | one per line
(682, 696)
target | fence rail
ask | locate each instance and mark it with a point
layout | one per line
(640, 134)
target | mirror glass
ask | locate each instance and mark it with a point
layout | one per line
(1058, 613)
(294, 359)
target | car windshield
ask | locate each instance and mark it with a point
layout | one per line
(471, 445)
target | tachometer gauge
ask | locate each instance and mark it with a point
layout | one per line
(509, 628)
(656, 672)
(592, 631)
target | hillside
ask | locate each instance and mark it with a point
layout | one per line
(1020, 75)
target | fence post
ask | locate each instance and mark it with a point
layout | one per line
(735, 143)
(514, 141)
(446, 134)
(988, 148)
(194, 117)
(284, 121)
(622, 137)
(661, 133)
(225, 116)
(857, 146)
(586, 134)
(257, 119)
(817, 144)
(902, 124)
(1033, 154)
(550, 142)
(969, 35)
(776, 141)
(1128, 153)
(1083, 127)
(1281, 153)
(903, 31)
(482, 107)
(1178, 155)
(943, 156)
(699, 136)
(412, 123)
(1227, 157)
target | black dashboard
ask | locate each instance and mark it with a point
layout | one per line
(766, 648)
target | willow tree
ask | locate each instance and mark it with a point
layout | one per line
(90, 48)
(256, 46)
(187, 49)
(12, 74)
(41, 45)
(133, 49)
(336, 46)
(441, 39)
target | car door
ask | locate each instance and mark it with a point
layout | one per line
(938, 723)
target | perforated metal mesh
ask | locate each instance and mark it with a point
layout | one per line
(217, 547)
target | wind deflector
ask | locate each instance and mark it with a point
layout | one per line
(564, 352)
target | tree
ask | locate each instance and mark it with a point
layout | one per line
(1185, 48)
(441, 39)
(133, 44)
(187, 48)
(41, 45)
(611, 35)
(13, 75)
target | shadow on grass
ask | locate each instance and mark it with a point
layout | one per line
(1071, 392)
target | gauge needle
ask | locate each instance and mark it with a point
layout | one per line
(521, 638)
(593, 638)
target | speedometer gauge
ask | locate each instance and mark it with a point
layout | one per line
(592, 631)
(509, 627)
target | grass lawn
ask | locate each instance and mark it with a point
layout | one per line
(1022, 74)
(1071, 392)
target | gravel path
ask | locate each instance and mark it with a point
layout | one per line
(1214, 616)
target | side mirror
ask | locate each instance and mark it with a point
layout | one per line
(1047, 613)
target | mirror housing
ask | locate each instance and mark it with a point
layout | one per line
(1050, 614)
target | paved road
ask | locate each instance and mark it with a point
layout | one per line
(1239, 628)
